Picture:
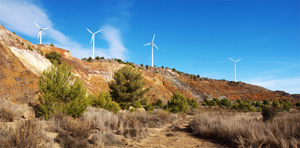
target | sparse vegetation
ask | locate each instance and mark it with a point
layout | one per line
(61, 92)
(29, 48)
(248, 129)
(54, 57)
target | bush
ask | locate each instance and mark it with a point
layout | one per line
(266, 102)
(268, 113)
(193, 103)
(147, 67)
(97, 58)
(217, 101)
(276, 104)
(225, 102)
(54, 58)
(178, 103)
(52, 45)
(298, 104)
(89, 59)
(258, 104)
(61, 92)
(104, 100)
(25, 134)
(127, 86)
(6, 115)
(29, 48)
(136, 104)
(287, 105)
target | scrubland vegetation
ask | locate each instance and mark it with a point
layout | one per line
(108, 118)
(248, 129)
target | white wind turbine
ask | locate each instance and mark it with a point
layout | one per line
(40, 32)
(152, 43)
(93, 39)
(234, 67)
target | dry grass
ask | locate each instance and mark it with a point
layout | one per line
(25, 134)
(10, 111)
(248, 129)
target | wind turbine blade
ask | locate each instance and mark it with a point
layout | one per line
(147, 44)
(238, 60)
(231, 59)
(155, 46)
(89, 30)
(37, 25)
(153, 38)
(45, 28)
(92, 39)
(98, 31)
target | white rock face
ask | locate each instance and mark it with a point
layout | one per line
(32, 60)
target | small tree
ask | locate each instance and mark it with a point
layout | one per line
(127, 86)
(178, 103)
(225, 102)
(162, 67)
(61, 92)
(54, 58)
(287, 105)
(97, 58)
(147, 67)
(258, 104)
(266, 102)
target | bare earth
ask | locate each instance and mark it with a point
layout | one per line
(173, 135)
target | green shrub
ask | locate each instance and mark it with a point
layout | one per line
(147, 67)
(52, 45)
(136, 104)
(142, 65)
(104, 100)
(144, 101)
(258, 104)
(225, 102)
(298, 104)
(193, 103)
(178, 103)
(162, 67)
(54, 58)
(266, 102)
(287, 106)
(97, 58)
(89, 59)
(268, 113)
(217, 101)
(61, 92)
(203, 103)
(159, 103)
(29, 48)
(127, 86)
(276, 104)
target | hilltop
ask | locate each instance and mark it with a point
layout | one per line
(23, 62)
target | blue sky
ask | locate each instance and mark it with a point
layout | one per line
(193, 36)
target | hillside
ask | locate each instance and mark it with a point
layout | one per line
(21, 64)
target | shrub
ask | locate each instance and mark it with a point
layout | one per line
(97, 58)
(6, 115)
(298, 104)
(217, 101)
(225, 102)
(287, 105)
(29, 48)
(268, 113)
(127, 86)
(159, 103)
(142, 65)
(89, 59)
(54, 58)
(266, 102)
(162, 67)
(147, 67)
(258, 104)
(193, 103)
(52, 45)
(104, 100)
(178, 103)
(136, 104)
(25, 134)
(61, 92)
(276, 104)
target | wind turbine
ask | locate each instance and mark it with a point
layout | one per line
(152, 43)
(93, 39)
(40, 32)
(234, 67)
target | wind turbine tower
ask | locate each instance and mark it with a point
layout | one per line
(93, 40)
(40, 32)
(234, 67)
(152, 43)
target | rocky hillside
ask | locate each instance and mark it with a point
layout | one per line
(21, 63)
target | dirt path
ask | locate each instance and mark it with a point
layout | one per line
(173, 135)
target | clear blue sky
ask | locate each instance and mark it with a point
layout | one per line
(193, 36)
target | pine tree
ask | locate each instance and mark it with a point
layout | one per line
(61, 92)
(127, 86)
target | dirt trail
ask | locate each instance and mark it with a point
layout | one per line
(174, 135)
